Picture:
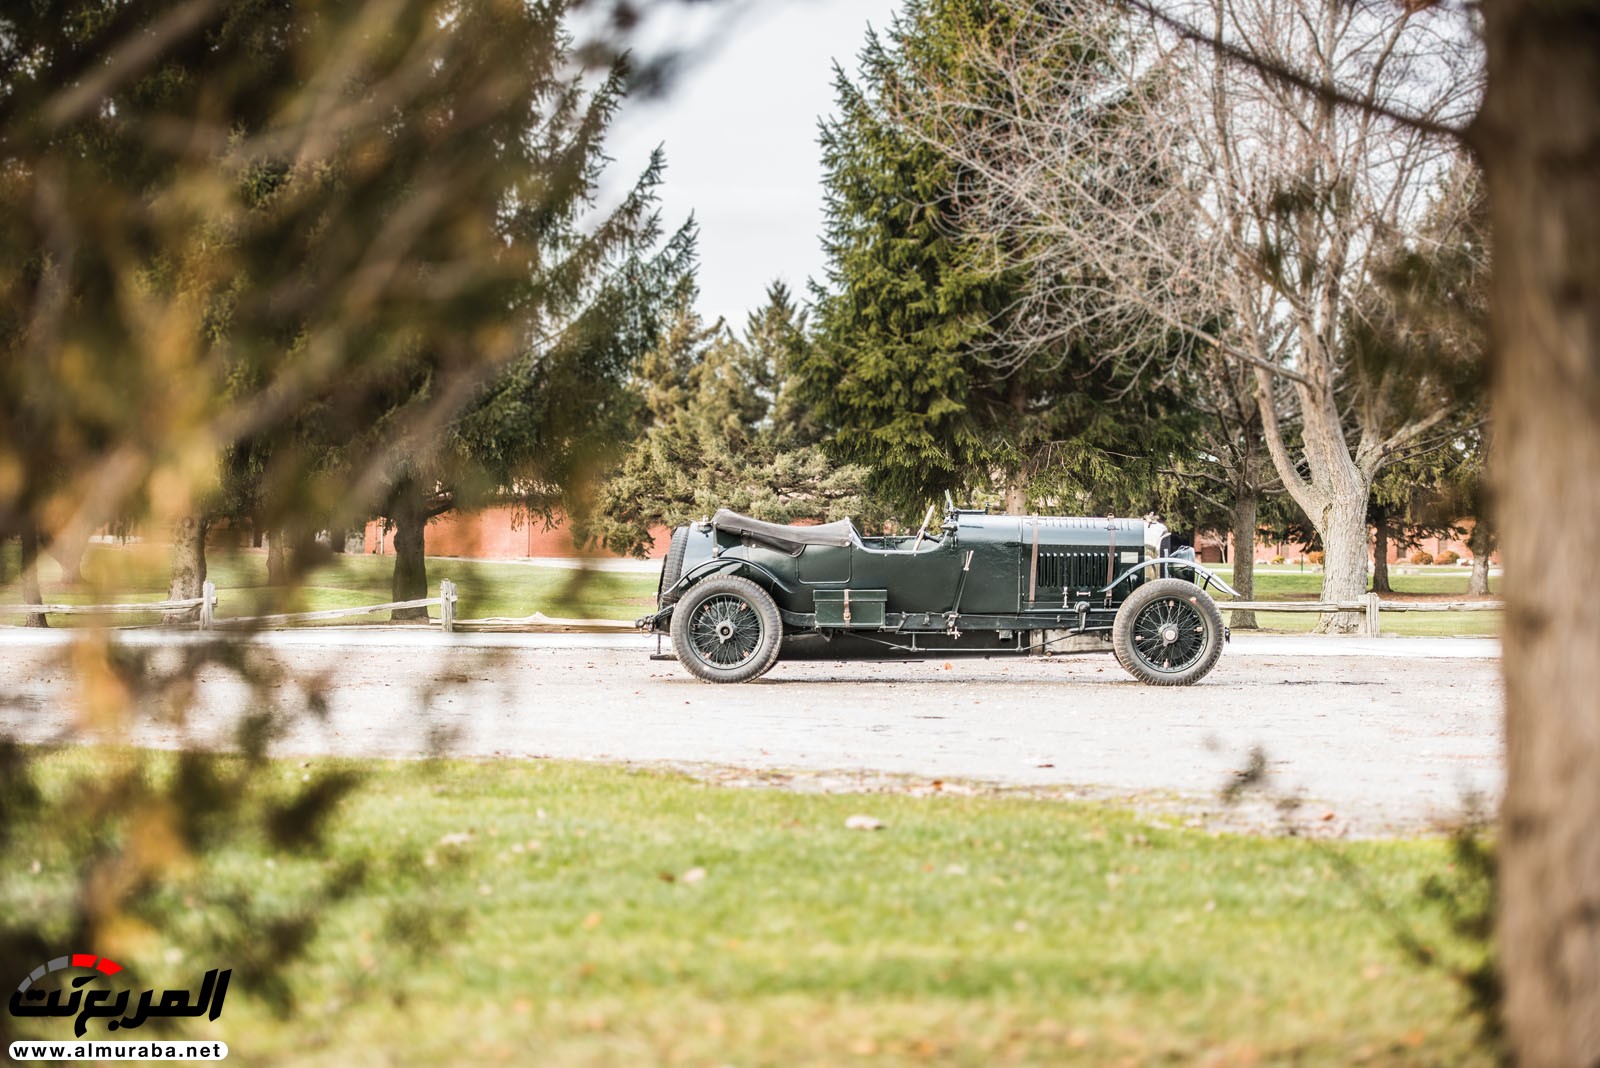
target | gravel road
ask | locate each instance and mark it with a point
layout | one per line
(1377, 736)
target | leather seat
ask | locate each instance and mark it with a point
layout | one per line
(782, 536)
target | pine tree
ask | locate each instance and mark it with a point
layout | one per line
(728, 429)
(910, 371)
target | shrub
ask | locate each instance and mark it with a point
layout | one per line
(1315, 559)
(1277, 559)
(1446, 557)
(1421, 556)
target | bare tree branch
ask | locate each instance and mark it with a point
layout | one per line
(1215, 179)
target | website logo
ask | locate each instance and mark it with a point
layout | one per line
(67, 997)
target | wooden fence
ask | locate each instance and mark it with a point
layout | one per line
(1370, 606)
(206, 619)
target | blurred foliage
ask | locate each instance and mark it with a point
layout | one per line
(1426, 321)
(119, 859)
(272, 262)
(261, 257)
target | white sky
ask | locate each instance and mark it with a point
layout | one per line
(740, 131)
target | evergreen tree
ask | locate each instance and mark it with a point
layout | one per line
(303, 268)
(727, 429)
(910, 371)
(539, 431)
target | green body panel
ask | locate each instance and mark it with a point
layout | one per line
(999, 572)
(851, 608)
(979, 584)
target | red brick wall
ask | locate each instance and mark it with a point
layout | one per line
(499, 533)
(1292, 551)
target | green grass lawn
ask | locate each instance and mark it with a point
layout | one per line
(563, 914)
(1285, 584)
(487, 588)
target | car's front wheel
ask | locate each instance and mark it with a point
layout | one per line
(726, 629)
(1168, 633)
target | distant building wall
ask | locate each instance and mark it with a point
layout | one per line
(499, 533)
(1209, 548)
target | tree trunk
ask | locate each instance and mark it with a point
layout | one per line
(338, 540)
(1016, 498)
(188, 566)
(1334, 498)
(1016, 492)
(1539, 138)
(410, 561)
(69, 554)
(1380, 552)
(1344, 547)
(1481, 543)
(277, 557)
(30, 575)
(1244, 558)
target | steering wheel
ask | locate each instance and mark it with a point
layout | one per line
(923, 532)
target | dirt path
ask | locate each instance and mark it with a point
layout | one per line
(1375, 739)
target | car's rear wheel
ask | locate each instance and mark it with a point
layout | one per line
(1168, 633)
(726, 629)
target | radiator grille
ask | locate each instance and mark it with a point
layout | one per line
(1075, 570)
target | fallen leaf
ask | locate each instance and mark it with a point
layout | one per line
(591, 921)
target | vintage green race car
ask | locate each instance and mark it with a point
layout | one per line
(736, 593)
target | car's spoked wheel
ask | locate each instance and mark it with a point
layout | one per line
(1168, 633)
(726, 629)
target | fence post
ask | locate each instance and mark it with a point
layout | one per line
(1372, 615)
(447, 605)
(208, 604)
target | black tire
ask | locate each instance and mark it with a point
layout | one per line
(1168, 633)
(726, 629)
(672, 567)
